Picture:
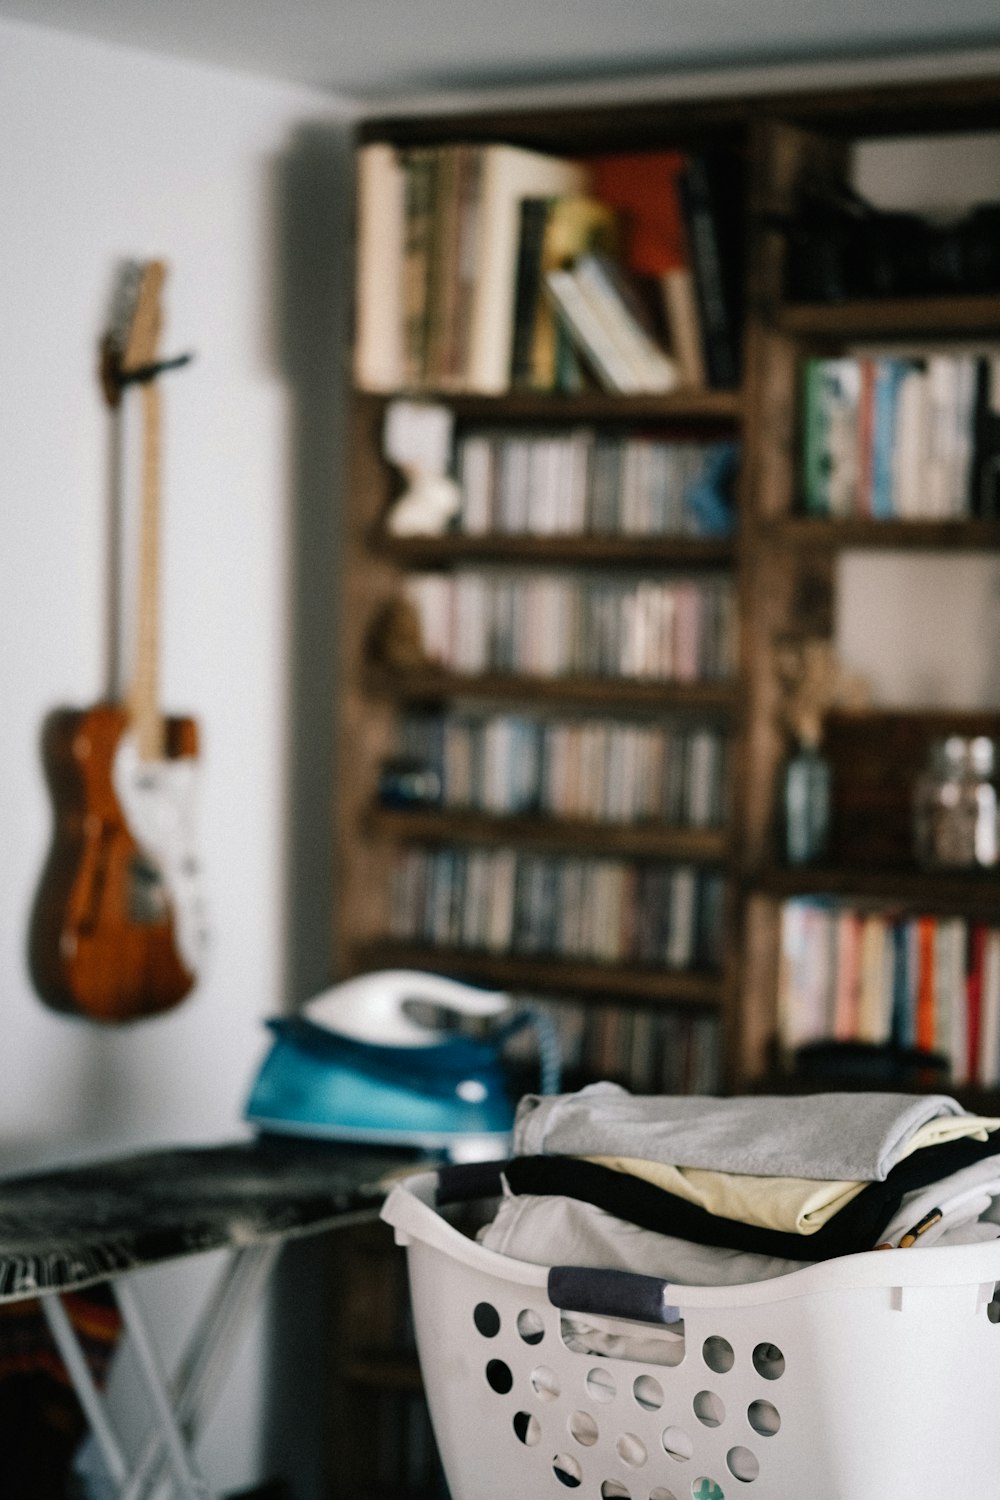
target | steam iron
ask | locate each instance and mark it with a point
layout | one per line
(399, 1057)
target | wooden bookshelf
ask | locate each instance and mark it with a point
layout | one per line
(782, 564)
(687, 553)
(546, 975)
(905, 317)
(641, 840)
(611, 693)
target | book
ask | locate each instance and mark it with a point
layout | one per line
(643, 186)
(555, 232)
(378, 344)
(508, 174)
(607, 329)
(711, 193)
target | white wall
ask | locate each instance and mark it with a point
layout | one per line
(107, 154)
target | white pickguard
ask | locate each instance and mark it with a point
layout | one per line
(157, 798)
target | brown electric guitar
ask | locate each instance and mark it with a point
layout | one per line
(118, 929)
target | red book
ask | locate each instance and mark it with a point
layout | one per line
(925, 1037)
(974, 1000)
(866, 424)
(643, 188)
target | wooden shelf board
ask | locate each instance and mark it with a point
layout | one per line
(904, 317)
(816, 531)
(553, 975)
(585, 406)
(439, 825)
(433, 683)
(603, 551)
(975, 892)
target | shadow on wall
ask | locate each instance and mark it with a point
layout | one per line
(313, 228)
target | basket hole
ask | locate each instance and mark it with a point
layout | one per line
(704, 1488)
(499, 1377)
(486, 1319)
(567, 1470)
(600, 1385)
(631, 1450)
(709, 1409)
(677, 1444)
(545, 1383)
(717, 1353)
(613, 1489)
(530, 1326)
(527, 1429)
(648, 1393)
(743, 1464)
(763, 1418)
(993, 1311)
(583, 1427)
(661, 1494)
(769, 1361)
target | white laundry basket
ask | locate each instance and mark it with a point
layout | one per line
(871, 1377)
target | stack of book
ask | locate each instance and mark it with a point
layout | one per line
(930, 983)
(549, 624)
(598, 910)
(649, 1050)
(584, 482)
(899, 438)
(485, 266)
(611, 772)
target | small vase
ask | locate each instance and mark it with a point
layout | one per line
(806, 806)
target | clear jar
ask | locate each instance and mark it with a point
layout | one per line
(955, 806)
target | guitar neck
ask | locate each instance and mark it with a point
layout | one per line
(143, 704)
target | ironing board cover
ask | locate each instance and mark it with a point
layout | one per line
(67, 1228)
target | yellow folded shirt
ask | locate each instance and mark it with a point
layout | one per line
(798, 1205)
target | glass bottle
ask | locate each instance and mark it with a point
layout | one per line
(955, 805)
(806, 805)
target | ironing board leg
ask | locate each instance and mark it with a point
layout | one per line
(207, 1355)
(83, 1383)
(190, 1483)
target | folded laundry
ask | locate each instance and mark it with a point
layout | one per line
(550, 1231)
(840, 1137)
(859, 1225)
(800, 1205)
(954, 1201)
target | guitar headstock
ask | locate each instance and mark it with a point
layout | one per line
(130, 345)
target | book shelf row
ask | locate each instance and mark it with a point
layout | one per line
(928, 984)
(558, 624)
(915, 438)
(604, 911)
(609, 771)
(487, 267)
(589, 482)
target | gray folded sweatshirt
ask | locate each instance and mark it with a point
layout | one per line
(833, 1137)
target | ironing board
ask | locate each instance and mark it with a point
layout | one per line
(69, 1228)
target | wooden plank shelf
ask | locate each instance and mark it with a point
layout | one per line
(863, 532)
(546, 975)
(691, 405)
(643, 840)
(601, 551)
(974, 893)
(614, 692)
(902, 317)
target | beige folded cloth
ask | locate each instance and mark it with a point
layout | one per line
(799, 1205)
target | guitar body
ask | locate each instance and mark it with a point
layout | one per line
(105, 931)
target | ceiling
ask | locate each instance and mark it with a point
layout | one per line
(371, 49)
